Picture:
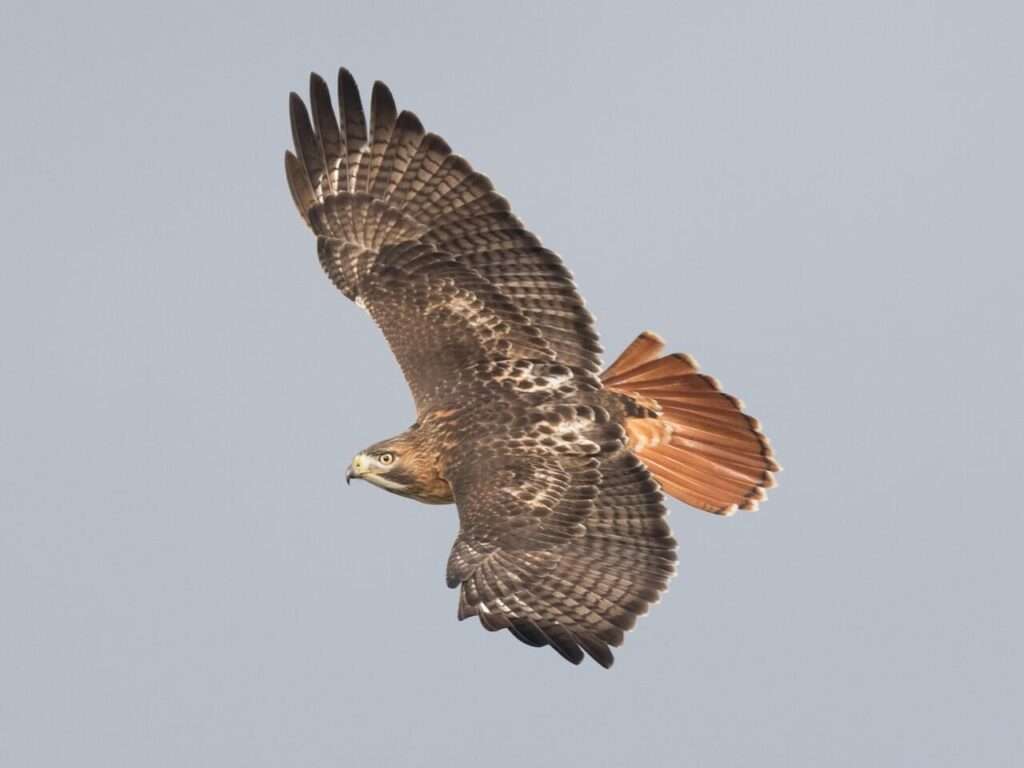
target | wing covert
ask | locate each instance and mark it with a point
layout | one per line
(439, 317)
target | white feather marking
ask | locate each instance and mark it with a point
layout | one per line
(383, 482)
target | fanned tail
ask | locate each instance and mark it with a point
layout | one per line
(701, 448)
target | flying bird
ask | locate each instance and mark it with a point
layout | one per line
(557, 469)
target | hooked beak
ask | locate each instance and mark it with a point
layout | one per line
(355, 469)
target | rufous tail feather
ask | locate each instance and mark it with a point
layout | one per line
(701, 448)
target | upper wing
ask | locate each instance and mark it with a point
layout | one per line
(562, 534)
(363, 192)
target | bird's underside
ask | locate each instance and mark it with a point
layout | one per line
(557, 470)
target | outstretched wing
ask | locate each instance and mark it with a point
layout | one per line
(366, 193)
(562, 536)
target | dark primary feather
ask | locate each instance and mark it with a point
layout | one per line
(332, 140)
(353, 122)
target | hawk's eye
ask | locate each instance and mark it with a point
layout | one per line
(387, 458)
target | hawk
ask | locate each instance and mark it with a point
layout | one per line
(557, 469)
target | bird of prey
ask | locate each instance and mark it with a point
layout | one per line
(557, 469)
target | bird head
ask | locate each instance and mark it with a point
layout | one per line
(402, 465)
(382, 465)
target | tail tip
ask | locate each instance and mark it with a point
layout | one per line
(652, 336)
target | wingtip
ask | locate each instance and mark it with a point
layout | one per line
(319, 91)
(381, 91)
(346, 81)
(408, 121)
(299, 118)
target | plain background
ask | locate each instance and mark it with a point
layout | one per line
(820, 201)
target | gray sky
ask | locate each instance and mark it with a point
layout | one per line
(821, 204)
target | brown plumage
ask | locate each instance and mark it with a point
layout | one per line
(557, 472)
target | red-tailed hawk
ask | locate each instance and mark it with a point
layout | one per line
(557, 469)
